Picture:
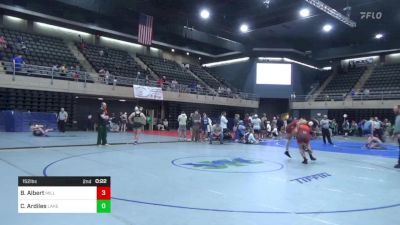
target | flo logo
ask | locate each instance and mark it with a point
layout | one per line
(222, 163)
(371, 15)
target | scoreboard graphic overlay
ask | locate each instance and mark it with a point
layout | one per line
(64, 195)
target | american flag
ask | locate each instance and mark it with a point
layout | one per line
(145, 35)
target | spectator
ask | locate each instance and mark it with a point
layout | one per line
(377, 128)
(165, 123)
(124, 121)
(386, 125)
(279, 124)
(18, 62)
(360, 126)
(189, 125)
(256, 122)
(198, 88)
(193, 87)
(147, 80)
(346, 127)
(241, 130)
(366, 92)
(174, 84)
(353, 128)
(236, 126)
(3, 43)
(182, 120)
(101, 52)
(63, 70)
(223, 121)
(219, 90)
(228, 91)
(217, 133)
(249, 137)
(274, 124)
(162, 81)
(107, 77)
(196, 126)
(246, 120)
(102, 72)
(263, 126)
(205, 125)
(89, 123)
(269, 129)
(334, 127)
(396, 131)
(54, 68)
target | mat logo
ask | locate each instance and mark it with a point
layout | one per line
(307, 179)
(222, 163)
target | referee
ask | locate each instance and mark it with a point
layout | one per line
(326, 134)
(102, 117)
(62, 120)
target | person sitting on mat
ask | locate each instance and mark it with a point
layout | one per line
(39, 130)
(217, 133)
(373, 143)
(249, 137)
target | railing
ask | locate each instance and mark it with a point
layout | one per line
(181, 88)
(43, 71)
(373, 95)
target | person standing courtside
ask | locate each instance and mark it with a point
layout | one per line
(102, 117)
(396, 132)
(182, 120)
(196, 126)
(326, 134)
(62, 120)
(224, 121)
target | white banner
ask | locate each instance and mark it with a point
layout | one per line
(154, 93)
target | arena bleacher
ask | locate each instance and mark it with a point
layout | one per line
(170, 69)
(384, 80)
(117, 62)
(40, 53)
(341, 84)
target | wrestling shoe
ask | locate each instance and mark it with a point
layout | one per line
(288, 154)
(305, 161)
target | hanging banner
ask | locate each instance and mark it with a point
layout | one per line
(146, 92)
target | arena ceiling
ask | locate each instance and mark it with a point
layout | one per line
(273, 25)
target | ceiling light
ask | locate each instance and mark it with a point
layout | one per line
(100, 99)
(378, 36)
(205, 14)
(244, 28)
(122, 100)
(187, 53)
(199, 58)
(304, 12)
(226, 62)
(327, 27)
(172, 50)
